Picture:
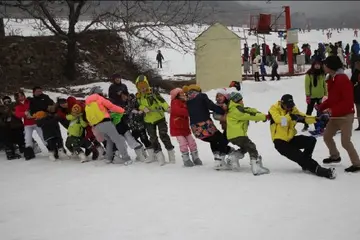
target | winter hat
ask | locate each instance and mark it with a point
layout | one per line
(333, 62)
(96, 90)
(39, 115)
(236, 96)
(288, 101)
(6, 100)
(223, 92)
(191, 87)
(175, 92)
(142, 82)
(74, 105)
(115, 76)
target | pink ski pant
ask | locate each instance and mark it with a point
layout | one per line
(187, 143)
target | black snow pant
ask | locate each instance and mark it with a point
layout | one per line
(13, 137)
(274, 73)
(159, 64)
(292, 151)
(74, 144)
(142, 135)
(163, 134)
(257, 77)
(310, 107)
(51, 133)
(218, 143)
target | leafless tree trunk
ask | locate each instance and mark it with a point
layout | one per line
(2, 28)
(142, 20)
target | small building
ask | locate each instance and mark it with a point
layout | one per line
(217, 57)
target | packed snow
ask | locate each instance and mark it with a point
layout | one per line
(42, 200)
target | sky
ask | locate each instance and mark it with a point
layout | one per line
(312, 8)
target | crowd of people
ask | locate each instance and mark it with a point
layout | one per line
(104, 126)
(259, 56)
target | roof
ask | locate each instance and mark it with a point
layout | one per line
(216, 25)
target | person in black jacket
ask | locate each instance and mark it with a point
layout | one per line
(116, 89)
(355, 79)
(203, 127)
(12, 129)
(43, 108)
(159, 59)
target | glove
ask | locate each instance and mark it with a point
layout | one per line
(297, 118)
(308, 99)
(267, 117)
(283, 122)
(324, 117)
(146, 110)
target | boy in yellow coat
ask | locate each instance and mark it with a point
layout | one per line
(283, 118)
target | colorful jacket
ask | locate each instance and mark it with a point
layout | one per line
(133, 117)
(179, 119)
(20, 110)
(77, 125)
(285, 133)
(318, 91)
(238, 118)
(153, 102)
(104, 106)
(340, 95)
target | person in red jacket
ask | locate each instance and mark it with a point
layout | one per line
(180, 128)
(22, 112)
(340, 105)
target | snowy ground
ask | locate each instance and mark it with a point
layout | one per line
(42, 200)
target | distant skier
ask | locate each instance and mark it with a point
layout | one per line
(159, 59)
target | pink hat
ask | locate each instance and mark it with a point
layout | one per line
(175, 92)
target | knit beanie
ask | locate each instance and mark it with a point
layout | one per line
(236, 96)
(333, 62)
(175, 92)
(223, 92)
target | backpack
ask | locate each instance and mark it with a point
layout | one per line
(93, 113)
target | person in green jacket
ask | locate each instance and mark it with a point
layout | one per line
(315, 87)
(76, 129)
(238, 118)
(154, 106)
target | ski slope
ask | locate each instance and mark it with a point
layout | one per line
(43, 200)
(60, 200)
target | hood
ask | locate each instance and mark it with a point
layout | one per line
(92, 98)
(233, 104)
(142, 82)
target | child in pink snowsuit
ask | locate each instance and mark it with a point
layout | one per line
(179, 128)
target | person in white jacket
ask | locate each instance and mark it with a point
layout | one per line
(255, 66)
(340, 53)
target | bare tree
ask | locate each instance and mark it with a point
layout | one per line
(153, 23)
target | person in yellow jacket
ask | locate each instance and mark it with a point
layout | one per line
(238, 118)
(154, 107)
(283, 117)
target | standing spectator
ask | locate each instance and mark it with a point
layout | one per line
(315, 88)
(355, 79)
(340, 104)
(274, 68)
(255, 66)
(246, 62)
(355, 48)
(159, 59)
(116, 89)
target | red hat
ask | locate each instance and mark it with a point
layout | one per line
(74, 105)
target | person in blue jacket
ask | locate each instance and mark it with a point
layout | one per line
(355, 49)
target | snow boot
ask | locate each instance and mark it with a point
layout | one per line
(29, 153)
(11, 155)
(63, 154)
(139, 154)
(54, 155)
(171, 155)
(151, 156)
(256, 166)
(195, 158)
(233, 158)
(220, 163)
(330, 160)
(329, 173)
(186, 159)
(95, 154)
(159, 156)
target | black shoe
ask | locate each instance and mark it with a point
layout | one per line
(29, 153)
(95, 154)
(357, 129)
(330, 160)
(352, 169)
(13, 156)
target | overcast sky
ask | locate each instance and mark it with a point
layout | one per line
(313, 8)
